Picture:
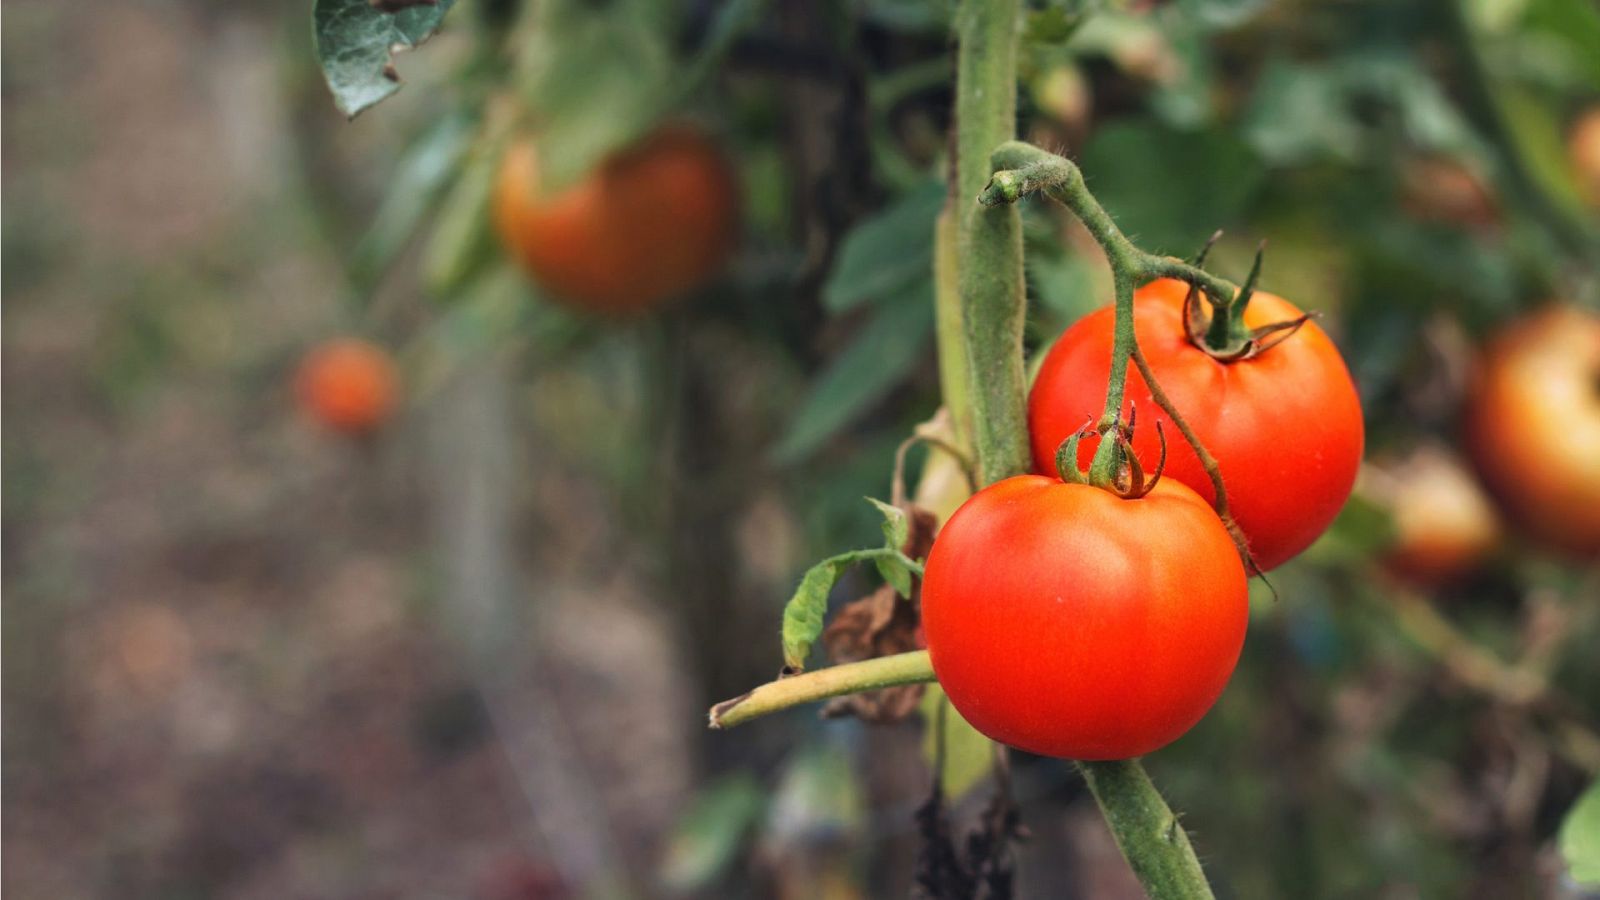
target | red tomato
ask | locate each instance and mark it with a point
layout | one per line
(348, 385)
(1533, 425)
(1067, 621)
(1285, 426)
(649, 224)
(1444, 523)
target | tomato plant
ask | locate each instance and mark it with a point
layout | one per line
(349, 385)
(1285, 424)
(1533, 425)
(1068, 621)
(650, 223)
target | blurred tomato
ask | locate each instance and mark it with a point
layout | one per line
(1445, 525)
(1583, 150)
(1439, 189)
(348, 385)
(650, 223)
(1533, 424)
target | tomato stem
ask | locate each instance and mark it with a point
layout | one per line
(834, 681)
(1147, 832)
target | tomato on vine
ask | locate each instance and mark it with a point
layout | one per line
(647, 225)
(1282, 419)
(1533, 425)
(348, 385)
(1068, 621)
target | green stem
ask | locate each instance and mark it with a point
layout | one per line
(990, 277)
(1147, 832)
(834, 681)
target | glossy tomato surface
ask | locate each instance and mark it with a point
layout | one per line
(1533, 425)
(1285, 426)
(348, 385)
(1069, 622)
(648, 224)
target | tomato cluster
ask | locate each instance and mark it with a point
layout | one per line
(1073, 621)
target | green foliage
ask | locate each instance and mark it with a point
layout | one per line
(706, 841)
(887, 254)
(968, 755)
(355, 42)
(1580, 838)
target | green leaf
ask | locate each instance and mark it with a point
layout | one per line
(896, 526)
(817, 799)
(885, 253)
(968, 755)
(425, 169)
(707, 839)
(880, 357)
(1301, 113)
(1580, 838)
(463, 243)
(1170, 189)
(355, 43)
(895, 574)
(804, 614)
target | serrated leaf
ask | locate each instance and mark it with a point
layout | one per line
(804, 614)
(968, 755)
(885, 253)
(706, 840)
(895, 574)
(879, 357)
(355, 43)
(896, 525)
(1580, 838)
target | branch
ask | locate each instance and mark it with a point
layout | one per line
(834, 681)
(1147, 832)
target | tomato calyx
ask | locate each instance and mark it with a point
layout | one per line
(1223, 336)
(1126, 476)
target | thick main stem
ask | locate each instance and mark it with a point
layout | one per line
(1147, 832)
(992, 299)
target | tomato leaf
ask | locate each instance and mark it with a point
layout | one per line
(355, 43)
(968, 755)
(1580, 838)
(423, 174)
(896, 526)
(879, 357)
(462, 243)
(804, 614)
(886, 253)
(895, 574)
(706, 841)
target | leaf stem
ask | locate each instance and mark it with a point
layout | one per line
(834, 681)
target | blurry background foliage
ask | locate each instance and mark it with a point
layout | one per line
(653, 489)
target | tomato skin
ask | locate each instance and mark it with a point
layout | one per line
(1533, 425)
(348, 385)
(1583, 151)
(648, 224)
(1445, 525)
(1066, 621)
(1284, 426)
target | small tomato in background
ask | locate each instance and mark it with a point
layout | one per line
(1583, 153)
(1443, 190)
(649, 224)
(348, 385)
(1445, 524)
(1285, 426)
(1533, 425)
(1067, 621)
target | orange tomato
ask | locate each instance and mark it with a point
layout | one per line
(1533, 425)
(1583, 150)
(1445, 525)
(651, 223)
(348, 385)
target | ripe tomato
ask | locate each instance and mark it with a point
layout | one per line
(1067, 621)
(1533, 425)
(348, 385)
(648, 224)
(1444, 523)
(1285, 426)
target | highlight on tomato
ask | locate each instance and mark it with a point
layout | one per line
(348, 385)
(1283, 419)
(1068, 621)
(1533, 425)
(649, 224)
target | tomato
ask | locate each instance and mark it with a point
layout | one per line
(1442, 190)
(1067, 621)
(1285, 425)
(348, 385)
(1444, 523)
(1533, 425)
(1583, 150)
(650, 223)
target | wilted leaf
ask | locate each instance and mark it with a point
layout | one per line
(1580, 838)
(895, 574)
(878, 624)
(804, 614)
(881, 355)
(355, 42)
(896, 526)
